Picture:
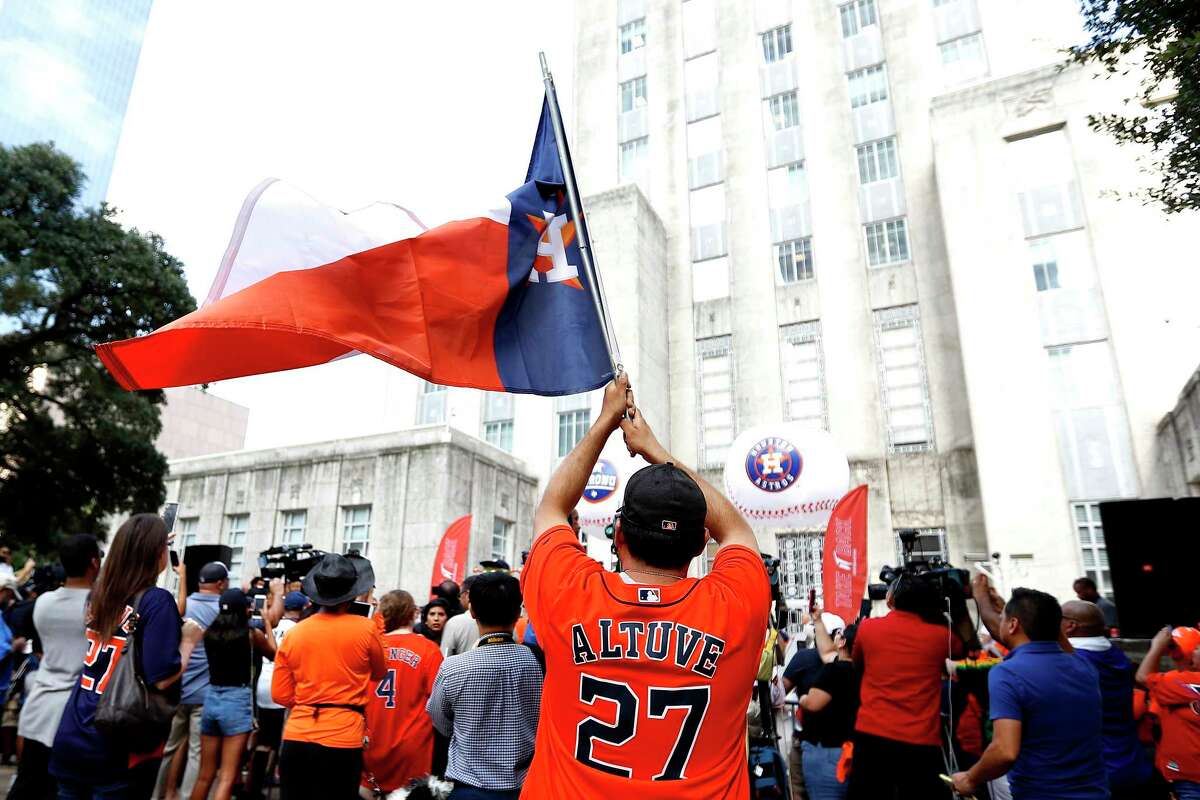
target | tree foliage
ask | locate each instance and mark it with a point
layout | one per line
(74, 446)
(1160, 40)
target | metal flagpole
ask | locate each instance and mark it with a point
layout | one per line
(581, 229)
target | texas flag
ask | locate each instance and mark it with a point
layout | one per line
(496, 302)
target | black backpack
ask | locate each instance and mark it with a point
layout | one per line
(768, 773)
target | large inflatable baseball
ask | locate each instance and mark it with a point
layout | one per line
(784, 476)
(605, 490)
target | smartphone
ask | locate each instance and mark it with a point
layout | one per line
(260, 603)
(950, 784)
(175, 559)
(170, 511)
(812, 601)
(361, 609)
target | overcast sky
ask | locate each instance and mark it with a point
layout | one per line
(429, 105)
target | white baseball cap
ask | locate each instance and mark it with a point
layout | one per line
(832, 622)
(10, 582)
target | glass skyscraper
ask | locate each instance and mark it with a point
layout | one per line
(66, 70)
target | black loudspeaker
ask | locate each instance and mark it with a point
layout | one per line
(197, 555)
(1151, 563)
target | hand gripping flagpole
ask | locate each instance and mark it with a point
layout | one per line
(595, 285)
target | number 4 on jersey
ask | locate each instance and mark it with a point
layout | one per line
(661, 700)
(387, 689)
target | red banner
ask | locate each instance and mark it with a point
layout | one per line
(450, 563)
(844, 566)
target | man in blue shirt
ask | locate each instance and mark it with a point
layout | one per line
(201, 606)
(1129, 768)
(1045, 709)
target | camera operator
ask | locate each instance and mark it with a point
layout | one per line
(901, 658)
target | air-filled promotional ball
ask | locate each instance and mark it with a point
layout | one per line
(604, 491)
(784, 476)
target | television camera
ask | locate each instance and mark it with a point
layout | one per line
(952, 585)
(289, 561)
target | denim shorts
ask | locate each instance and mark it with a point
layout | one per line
(227, 711)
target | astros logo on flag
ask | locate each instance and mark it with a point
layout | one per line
(773, 464)
(551, 265)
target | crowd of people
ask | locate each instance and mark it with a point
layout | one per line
(571, 681)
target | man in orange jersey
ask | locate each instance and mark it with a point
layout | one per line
(1176, 696)
(649, 672)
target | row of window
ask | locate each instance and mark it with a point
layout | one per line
(800, 554)
(904, 386)
(498, 414)
(293, 527)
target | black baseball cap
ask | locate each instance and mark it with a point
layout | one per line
(213, 572)
(233, 601)
(662, 497)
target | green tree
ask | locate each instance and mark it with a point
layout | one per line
(1159, 39)
(74, 446)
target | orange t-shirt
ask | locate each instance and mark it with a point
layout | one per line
(327, 658)
(646, 686)
(401, 731)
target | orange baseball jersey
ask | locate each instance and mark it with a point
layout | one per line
(401, 733)
(646, 686)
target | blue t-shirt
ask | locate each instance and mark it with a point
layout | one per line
(1124, 756)
(81, 753)
(1056, 698)
(202, 607)
(6, 656)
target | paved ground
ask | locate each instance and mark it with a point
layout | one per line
(6, 777)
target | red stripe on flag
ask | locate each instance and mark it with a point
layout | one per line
(427, 305)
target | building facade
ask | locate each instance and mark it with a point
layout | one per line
(1178, 446)
(390, 497)
(890, 219)
(66, 70)
(196, 423)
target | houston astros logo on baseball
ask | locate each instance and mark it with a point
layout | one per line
(773, 464)
(602, 483)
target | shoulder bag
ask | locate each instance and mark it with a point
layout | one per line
(131, 712)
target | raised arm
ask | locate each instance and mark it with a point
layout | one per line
(723, 521)
(825, 645)
(990, 604)
(181, 592)
(274, 610)
(1158, 647)
(567, 483)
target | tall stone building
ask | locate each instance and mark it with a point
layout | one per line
(890, 219)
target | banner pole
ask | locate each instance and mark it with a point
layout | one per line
(595, 285)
